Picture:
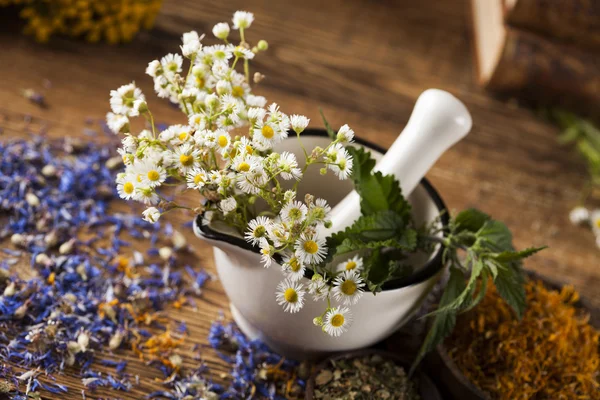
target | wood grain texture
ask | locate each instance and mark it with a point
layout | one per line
(364, 63)
(571, 21)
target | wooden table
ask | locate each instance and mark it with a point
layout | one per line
(364, 63)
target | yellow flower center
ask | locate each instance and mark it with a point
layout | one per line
(244, 167)
(198, 179)
(183, 136)
(186, 160)
(598, 223)
(342, 164)
(259, 231)
(139, 178)
(200, 82)
(267, 131)
(311, 247)
(350, 265)
(348, 288)
(295, 213)
(237, 91)
(337, 320)
(153, 175)
(222, 141)
(290, 295)
(249, 150)
(294, 265)
(128, 187)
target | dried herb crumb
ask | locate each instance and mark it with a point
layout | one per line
(367, 377)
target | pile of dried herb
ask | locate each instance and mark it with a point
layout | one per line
(367, 377)
(552, 353)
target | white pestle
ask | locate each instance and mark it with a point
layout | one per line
(437, 122)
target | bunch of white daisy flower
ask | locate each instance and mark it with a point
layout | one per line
(225, 151)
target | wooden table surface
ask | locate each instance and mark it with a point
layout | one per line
(364, 63)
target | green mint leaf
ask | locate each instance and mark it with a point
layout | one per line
(443, 324)
(510, 283)
(378, 270)
(494, 236)
(378, 192)
(508, 256)
(330, 132)
(379, 226)
(407, 242)
(482, 291)
(470, 220)
(465, 298)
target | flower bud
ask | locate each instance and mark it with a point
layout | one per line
(323, 171)
(262, 45)
(318, 321)
(221, 30)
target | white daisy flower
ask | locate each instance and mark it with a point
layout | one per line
(196, 178)
(154, 68)
(339, 161)
(146, 195)
(256, 114)
(221, 30)
(353, 264)
(345, 134)
(320, 211)
(337, 321)
(318, 288)
(290, 295)
(299, 123)
(181, 133)
(266, 253)
(278, 233)
(243, 53)
(310, 249)
(223, 87)
(184, 157)
(171, 64)
(242, 19)
(222, 52)
(253, 181)
(268, 133)
(122, 100)
(294, 211)
(126, 185)
(293, 268)
(163, 88)
(223, 140)
(152, 174)
(129, 144)
(257, 230)
(211, 101)
(191, 43)
(228, 205)
(117, 123)
(220, 69)
(151, 214)
(289, 166)
(579, 215)
(197, 121)
(347, 288)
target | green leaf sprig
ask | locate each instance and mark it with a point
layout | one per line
(385, 234)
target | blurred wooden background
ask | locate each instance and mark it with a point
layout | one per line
(364, 63)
